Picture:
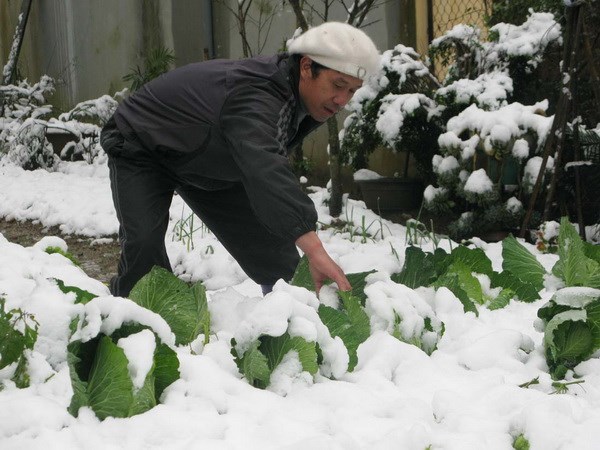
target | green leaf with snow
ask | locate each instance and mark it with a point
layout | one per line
(302, 277)
(592, 251)
(502, 300)
(80, 397)
(473, 258)
(199, 293)
(418, 269)
(144, 399)
(451, 281)
(253, 364)
(110, 389)
(101, 380)
(166, 368)
(522, 263)
(182, 307)
(593, 319)
(358, 281)
(524, 291)
(276, 347)
(351, 324)
(573, 266)
(81, 296)
(568, 340)
(13, 341)
(466, 281)
(551, 309)
(60, 251)
(264, 355)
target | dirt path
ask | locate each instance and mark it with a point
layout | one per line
(99, 261)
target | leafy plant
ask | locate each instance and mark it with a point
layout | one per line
(157, 62)
(184, 230)
(521, 443)
(264, 355)
(516, 11)
(184, 308)
(99, 366)
(394, 109)
(81, 296)
(101, 379)
(522, 276)
(51, 250)
(563, 387)
(18, 333)
(489, 152)
(571, 328)
(579, 262)
(350, 323)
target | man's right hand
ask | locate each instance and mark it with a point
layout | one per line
(321, 266)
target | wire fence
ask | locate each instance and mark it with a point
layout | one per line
(445, 14)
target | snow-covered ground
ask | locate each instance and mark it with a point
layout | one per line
(465, 395)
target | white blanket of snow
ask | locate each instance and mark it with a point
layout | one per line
(464, 396)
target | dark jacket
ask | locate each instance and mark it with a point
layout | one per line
(239, 118)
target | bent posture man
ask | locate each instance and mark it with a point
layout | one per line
(218, 133)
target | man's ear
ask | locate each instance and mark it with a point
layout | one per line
(305, 67)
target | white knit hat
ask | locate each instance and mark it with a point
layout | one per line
(339, 46)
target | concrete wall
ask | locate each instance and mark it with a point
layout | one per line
(87, 46)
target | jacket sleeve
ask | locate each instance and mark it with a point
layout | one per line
(250, 121)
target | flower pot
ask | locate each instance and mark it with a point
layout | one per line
(391, 194)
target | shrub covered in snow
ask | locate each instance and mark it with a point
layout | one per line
(22, 134)
(395, 108)
(26, 120)
(489, 154)
(486, 145)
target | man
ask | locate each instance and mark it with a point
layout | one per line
(218, 134)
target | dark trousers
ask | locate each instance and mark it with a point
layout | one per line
(143, 185)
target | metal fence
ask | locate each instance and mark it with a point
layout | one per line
(445, 14)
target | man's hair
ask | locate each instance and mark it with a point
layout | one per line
(315, 67)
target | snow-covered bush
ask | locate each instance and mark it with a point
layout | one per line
(26, 120)
(481, 145)
(84, 122)
(490, 151)
(22, 138)
(396, 109)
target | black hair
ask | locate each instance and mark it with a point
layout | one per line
(315, 67)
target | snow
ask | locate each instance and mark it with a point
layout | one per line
(520, 149)
(514, 205)
(466, 394)
(488, 90)
(139, 350)
(445, 164)
(479, 182)
(366, 174)
(496, 127)
(527, 39)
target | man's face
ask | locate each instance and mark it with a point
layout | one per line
(326, 94)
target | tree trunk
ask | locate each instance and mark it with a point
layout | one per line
(335, 201)
(8, 73)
